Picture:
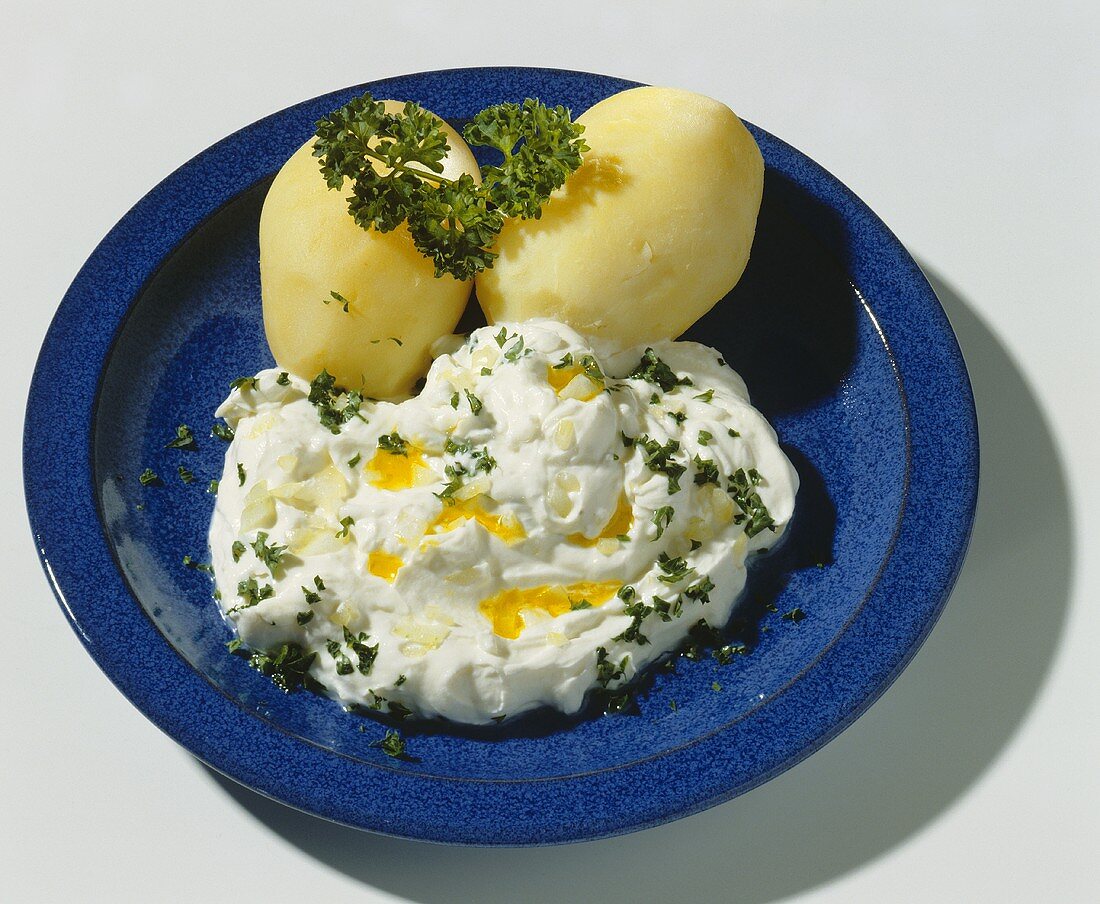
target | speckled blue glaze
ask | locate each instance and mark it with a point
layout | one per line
(843, 346)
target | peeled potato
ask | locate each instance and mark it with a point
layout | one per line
(310, 246)
(651, 231)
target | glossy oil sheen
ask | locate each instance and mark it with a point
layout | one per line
(842, 344)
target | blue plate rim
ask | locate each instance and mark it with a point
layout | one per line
(905, 305)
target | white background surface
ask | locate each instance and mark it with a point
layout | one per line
(972, 129)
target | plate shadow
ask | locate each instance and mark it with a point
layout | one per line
(916, 753)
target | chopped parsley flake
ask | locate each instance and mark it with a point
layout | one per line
(222, 431)
(337, 297)
(742, 487)
(454, 400)
(706, 471)
(283, 379)
(237, 549)
(393, 443)
(733, 433)
(667, 610)
(724, 654)
(355, 459)
(343, 664)
(705, 396)
(653, 370)
(659, 459)
(638, 612)
(365, 655)
(345, 523)
(662, 518)
(675, 569)
(198, 566)
(241, 475)
(287, 666)
(244, 383)
(475, 402)
(700, 590)
(566, 361)
(148, 477)
(335, 406)
(272, 555)
(392, 744)
(184, 439)
(185, 475)
(795, 615)
(252, 593)
(606, 670)
(212, 488)
(517, 351)
(705, 437)
(304, 618)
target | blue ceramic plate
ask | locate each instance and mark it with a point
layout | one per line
(843, 346)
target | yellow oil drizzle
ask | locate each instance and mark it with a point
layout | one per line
(506, 527)
(560, 377)
(390, 471)
(621, 522)
(383, 565)
(505, 608)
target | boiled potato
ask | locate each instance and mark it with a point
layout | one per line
(310, 246)
(651, 231)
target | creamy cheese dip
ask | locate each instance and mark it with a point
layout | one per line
(535, 523)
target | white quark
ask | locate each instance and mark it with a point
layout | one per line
(534, 524)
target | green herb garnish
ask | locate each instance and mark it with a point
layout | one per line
(241, 475)
(222, 431)
(392, 744)
(394, 444)
(706, 471)
(345, 524)
(148, 477)
(287, 665)
(184, 439)
(244, 383)
(237, 549)
(337, 297)
(653, 370)
(271, 555)
(742, 487)
(475, 402)
(453, 222)
(185, 475)
(658, 458)
(343, 664)
(335, 405)
(662, 518)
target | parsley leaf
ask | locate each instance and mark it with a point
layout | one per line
(392, 744)
(287, 665)
(662, 518)
(653, 370)
(453, 222)
(184, 439)
(394, 444)
(742, 487)
(659, 459)
(148, 478)
(272, 555)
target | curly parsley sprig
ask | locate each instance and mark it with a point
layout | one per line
(394, 162)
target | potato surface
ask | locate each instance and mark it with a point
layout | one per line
(310, 246)
(651, 231)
